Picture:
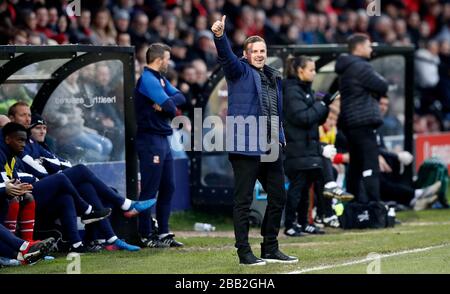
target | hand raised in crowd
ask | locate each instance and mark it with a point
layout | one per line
(219, 27)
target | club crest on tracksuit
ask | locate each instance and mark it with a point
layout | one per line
(156, 159)
(163, 84)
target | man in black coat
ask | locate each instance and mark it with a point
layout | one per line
(361, 88)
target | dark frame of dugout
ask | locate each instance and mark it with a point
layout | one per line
(19, 57)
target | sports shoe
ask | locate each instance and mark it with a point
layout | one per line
(121, 245)
(95, 246)
(139, 206)
(169, 239)
(36, 250)
(337, 193)
(331, 222)
(424, 203)
(249, 259)
(95, 216)
(153, 242)
(431, 190)
(85, 249)
(312, 229)
(295, 231)
(318, 222)
(278, 257)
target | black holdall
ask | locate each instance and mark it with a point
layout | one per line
(373, 215)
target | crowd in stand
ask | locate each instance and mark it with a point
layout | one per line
(184, 25)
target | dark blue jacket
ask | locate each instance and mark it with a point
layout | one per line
(40, 162)
(17, 172)
(244, 93)
(152, 88)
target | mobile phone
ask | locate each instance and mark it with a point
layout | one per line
(334, 96)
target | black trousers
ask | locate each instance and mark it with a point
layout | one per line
(248, 169)
(324, 205)
(363, 165)
(298, 195)
(393, 190)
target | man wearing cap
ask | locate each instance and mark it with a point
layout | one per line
(54, 196)
(122, 20)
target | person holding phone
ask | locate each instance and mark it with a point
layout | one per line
(304, 152)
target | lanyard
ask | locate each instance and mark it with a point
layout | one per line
(9, 168)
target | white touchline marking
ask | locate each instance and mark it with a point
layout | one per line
(324, 267)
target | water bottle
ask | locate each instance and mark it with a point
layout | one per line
(202, 227)
(391, 217)
(8, 262)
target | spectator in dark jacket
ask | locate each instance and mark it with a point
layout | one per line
(361, 87)
(304, 161)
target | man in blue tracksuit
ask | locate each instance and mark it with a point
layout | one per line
(41, 162)
(156, 102)
(254, 92)
(54, 195)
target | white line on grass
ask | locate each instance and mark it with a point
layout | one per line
(324, 267)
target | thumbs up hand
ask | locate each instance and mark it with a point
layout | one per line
(219, 27)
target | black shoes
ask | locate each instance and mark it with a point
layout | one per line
(153, 242)
(278, 257)
(249, 259)
(169, 240)
(85, 249)
(274, 256)
(95, 216)
(295, 231)
(312, 229)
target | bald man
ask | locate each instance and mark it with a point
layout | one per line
(3, 120)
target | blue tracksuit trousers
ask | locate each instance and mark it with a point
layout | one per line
(156, 167)
(54, 196)
(9, 243)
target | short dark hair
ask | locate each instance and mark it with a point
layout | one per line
(356, 39)
(156, 50)
(251, 40)
(294, 63)
(11, 128)
(12, 109)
